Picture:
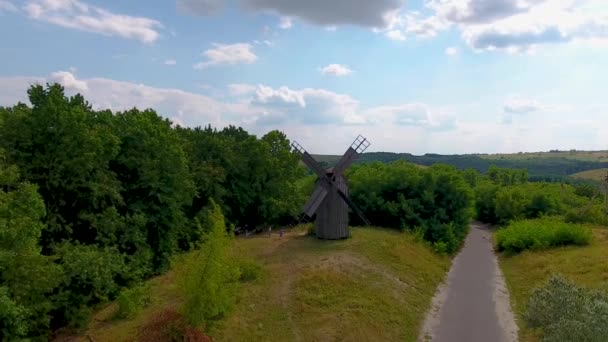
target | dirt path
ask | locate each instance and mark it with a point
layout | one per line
(473, 305)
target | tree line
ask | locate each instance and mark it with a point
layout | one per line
(92, 201)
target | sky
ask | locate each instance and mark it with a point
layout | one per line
(425, 76)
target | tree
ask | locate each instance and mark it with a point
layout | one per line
(27, 279)
(207, 276)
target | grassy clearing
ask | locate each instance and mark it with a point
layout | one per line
(375, 286)
(585, 266)
(540, 234)
(595, 175)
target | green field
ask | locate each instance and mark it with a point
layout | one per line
(585, 266)
(376, 286)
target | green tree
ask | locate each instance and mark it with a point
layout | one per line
(207, 276)
(27, 279)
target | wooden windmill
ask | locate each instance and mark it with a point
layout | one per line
(330, 199)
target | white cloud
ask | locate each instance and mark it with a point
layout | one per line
(240, 89)
(336, 70)
(170, 62)
(522, 105)
(81, 16)
(69, 81)
(7, 6)
(240, 53)
(286, 23)
(451, 51)
(395, 35)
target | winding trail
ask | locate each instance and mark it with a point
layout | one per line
(473, 305)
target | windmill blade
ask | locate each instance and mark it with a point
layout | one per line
(308, 160)
(313, 165)
(353, 206)
(347, 159)
(358, 146)
(315, 200)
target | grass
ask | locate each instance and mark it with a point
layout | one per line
(595, 175)
(376, 285)
(541, 233)
(585, 266)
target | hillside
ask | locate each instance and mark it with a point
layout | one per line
(375, 286)
(548, 166)
(594, 175)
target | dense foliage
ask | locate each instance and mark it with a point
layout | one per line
(92, 201)
(541, 234)
(504, 195)
(567, 312)
(435, 201)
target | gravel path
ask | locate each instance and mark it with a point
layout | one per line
(473, 305)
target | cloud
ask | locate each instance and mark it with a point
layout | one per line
(307, 106)
(78, 15)
(395, 35)
(329, 13)
(336, 70)
(286, 23)
(200, 7)
(240, 89)
(513, 26)
(170, 62)
(522, 105)
(402, 25)
(69, 81)
(411, 114)
(480, 11)
(451, 51)
(240, 53)
(317, 116)
(7, 6)
(191, 109)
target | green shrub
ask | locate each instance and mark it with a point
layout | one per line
(207, 277)
(566, 312)
(132, 300)
(249, 271)
(541, 234)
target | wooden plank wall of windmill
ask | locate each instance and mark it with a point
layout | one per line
(332, 215)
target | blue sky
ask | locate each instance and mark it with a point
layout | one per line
(432, 76)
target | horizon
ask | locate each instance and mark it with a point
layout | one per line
(427, 76)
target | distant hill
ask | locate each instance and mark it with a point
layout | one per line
(547, 166)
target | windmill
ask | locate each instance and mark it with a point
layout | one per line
(330, 199)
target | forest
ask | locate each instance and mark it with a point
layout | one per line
(93, 201)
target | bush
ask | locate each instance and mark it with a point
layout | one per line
(566, 312)
(540, 234)
(131, 301)
(249, 271)
(436, 200)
